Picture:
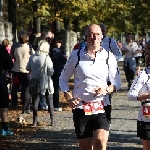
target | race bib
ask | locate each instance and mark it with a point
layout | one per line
(146, 112)
(93, 107)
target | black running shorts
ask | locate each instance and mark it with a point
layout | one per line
(85, 125)
(143, 130)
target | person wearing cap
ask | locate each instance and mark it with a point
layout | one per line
(21, 52)
(37, 61)
(140, 92)
(87, 99)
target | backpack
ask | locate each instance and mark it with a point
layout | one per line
(78, 55)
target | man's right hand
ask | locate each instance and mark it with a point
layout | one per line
(68, 95)
(74, 102)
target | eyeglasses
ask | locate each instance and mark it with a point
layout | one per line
(95, 34)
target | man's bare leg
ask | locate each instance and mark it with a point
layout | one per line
(146, 144)
(85, 144)
(100, 139)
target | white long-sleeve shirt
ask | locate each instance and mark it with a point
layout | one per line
(112, 46)
(89, 74)
(140, 85)
(132, 48)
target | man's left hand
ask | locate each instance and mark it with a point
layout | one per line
(99, 91)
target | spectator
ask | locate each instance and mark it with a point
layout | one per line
(7, 46)
(41, 66)
(59, 61)
(5, 63)
(41, 36)
(49, 37)
(21, 52)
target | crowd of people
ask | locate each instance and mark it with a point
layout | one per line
(37, 66)
(30, 58)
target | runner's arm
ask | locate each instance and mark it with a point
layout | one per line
(67, 72)
(114, 75)
(139, 81)
(115, 49)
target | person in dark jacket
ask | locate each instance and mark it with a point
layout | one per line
(5, 64)
(59, 60)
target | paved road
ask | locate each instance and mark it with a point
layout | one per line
(62, 136)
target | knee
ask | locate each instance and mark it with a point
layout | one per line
(85, 144)
(100, 143)
(100, 139)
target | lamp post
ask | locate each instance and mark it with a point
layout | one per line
(123, 40)
(36, 19)
(22, 22)
(12, 15)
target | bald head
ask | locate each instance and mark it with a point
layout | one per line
(94, 36)
(103, 28)
(89, 27)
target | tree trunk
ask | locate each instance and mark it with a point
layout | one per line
(12, 16)
(1, 8)
(38, 24)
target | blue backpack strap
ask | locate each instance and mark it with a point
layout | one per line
(110, 43)
(107, 59)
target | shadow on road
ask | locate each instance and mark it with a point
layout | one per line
(27, 138)
(124, 142)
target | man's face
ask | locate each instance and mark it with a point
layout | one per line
(50, 34)
(129, 38)
(94, 36)
(58, 45)
(25, 38)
